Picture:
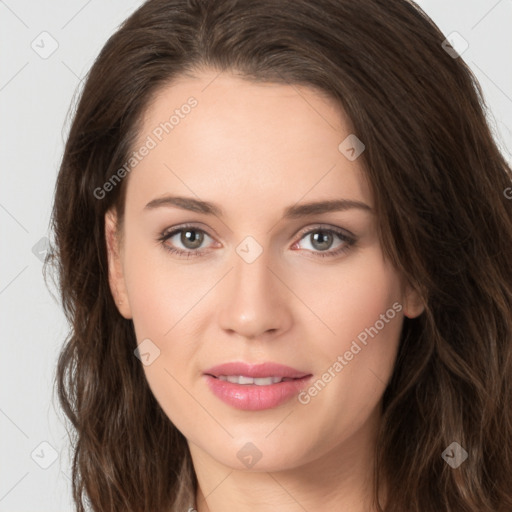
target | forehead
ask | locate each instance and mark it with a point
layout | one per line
(251, 145)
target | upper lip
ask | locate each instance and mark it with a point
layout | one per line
(260, 370)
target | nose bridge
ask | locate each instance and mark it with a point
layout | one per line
(252, 264)
(252, 302)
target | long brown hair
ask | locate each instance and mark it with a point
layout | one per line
(438, 180)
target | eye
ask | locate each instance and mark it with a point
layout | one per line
(192, 237)
(322, 238)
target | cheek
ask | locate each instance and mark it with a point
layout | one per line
(351, 298)
(164, 301)
(159, 294)
(356, 355)
(161, 301)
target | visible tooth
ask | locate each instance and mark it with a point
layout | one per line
(259, 381)
(264, 381)
(234, 379)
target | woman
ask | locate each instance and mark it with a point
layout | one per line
(283, 243)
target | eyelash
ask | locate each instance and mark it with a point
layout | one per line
(349, 241)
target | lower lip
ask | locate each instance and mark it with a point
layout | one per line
(251, 397)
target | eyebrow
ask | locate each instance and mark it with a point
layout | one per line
(291, 212)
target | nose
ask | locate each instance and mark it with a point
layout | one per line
(254, 302)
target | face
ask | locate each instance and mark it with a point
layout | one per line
(255, 276)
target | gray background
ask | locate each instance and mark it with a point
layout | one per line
(47, 47)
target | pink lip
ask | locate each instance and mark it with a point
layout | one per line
(255, 370)
(251, 397)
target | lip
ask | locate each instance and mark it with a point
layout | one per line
(251, 397)
(267, 369)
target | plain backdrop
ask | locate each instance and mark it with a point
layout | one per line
(46, 50)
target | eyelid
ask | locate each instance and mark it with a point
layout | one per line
(327, 227)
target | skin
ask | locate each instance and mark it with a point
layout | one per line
(255, 149)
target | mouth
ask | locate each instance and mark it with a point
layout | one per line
(258, 381)
(255, 387)
(261, 374)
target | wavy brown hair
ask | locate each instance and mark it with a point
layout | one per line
(438, 182)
